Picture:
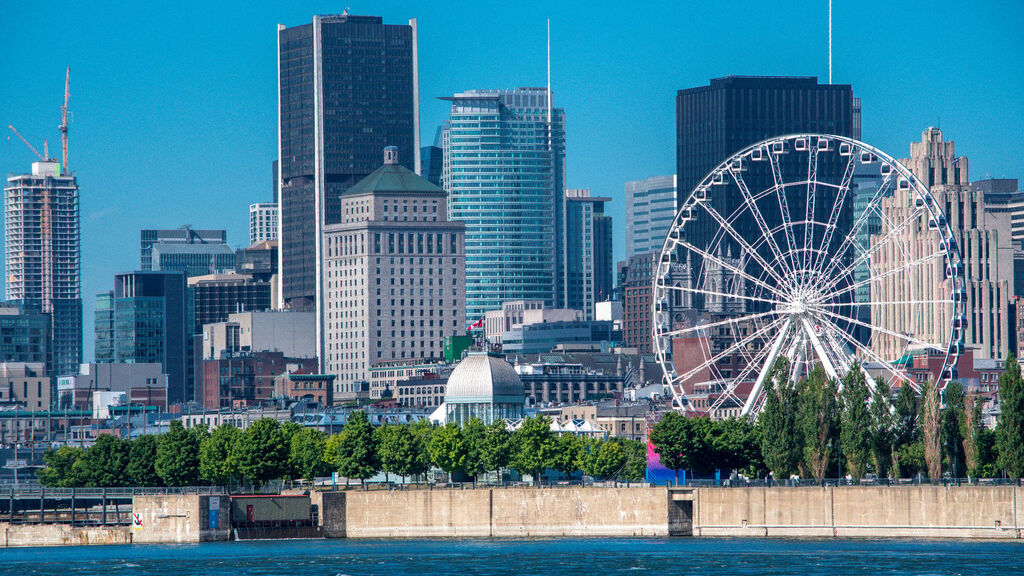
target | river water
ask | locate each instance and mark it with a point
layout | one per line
(564, 557)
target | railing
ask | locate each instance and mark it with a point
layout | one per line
(811, 483)
(36, 491)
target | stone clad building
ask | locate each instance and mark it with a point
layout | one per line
(394, 267)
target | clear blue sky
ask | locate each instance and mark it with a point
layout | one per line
(174, 102)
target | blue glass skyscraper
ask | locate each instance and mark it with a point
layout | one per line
(504, 171)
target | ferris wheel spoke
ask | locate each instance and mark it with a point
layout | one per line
(780, 193)
(812, 192)
(780, 339)
(838, 275)
(706, 255)
(728, 229)
(731, 349)
(880, 303)
(874, 328)
(868, 352)
(734, 320)
(833, 218)
(758, 217)
(721, 294)
(862, 219)
(886, 274)
(748, 370)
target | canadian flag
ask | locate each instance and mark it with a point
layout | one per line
(478, 324)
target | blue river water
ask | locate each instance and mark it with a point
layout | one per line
(566, 557)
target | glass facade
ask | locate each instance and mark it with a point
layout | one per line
(588, 252)
(345, 91)
(650, 209)
(503, 169)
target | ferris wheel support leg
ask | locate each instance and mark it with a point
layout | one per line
(768, 363)
(819, 348)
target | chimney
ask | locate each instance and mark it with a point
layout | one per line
(391, 155)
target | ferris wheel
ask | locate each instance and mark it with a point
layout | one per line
(817, 248)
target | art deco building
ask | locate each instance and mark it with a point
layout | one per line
(394, 275)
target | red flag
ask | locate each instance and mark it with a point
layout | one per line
(478, 324)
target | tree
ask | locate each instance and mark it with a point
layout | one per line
(931, 429)
(905, 429)
(177, 456)
(675, 443)
(818, 421)
(216, 464)
(952, 425)
(781, 445)
(396, 449)
(260, 452)
(566, 454)
(534, 447)
(586, 455)
(970, 431)
(104, 463)
(883, 430)
(1010, 429)
(421, 431)
(448, 448)
(331, 448)
(610, 460)
(306, 454)
(141, 468)
(855, 422)
(496, 449)
(357, 454)
(473, 434)
(60, 471)
(635, 469)
(734, 444)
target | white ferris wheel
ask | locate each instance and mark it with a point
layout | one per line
(818, 248)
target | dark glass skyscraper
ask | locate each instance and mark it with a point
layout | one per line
(346, 89)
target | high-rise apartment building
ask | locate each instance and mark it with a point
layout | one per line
(650, 209)
(263, 218)
(346, 89)
(587, 258)
(983, 237)
(146, 318)
(42, 250)
(24, 336)
(504, 171)
(394, 276)
(194, 252)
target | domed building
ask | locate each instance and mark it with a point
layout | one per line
(483, 386)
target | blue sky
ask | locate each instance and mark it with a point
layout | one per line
(175, 105)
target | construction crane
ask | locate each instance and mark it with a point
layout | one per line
(46, 148)
(64, 121)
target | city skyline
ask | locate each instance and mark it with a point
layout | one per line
(153, 124)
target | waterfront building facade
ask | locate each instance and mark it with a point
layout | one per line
(504, 171)
(587, 258)
(346, 89)
(394, 275)
(42, 250)
(263, 217)
(650, 208)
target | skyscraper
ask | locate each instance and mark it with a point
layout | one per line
(262, 222)
(42, 253)
(194, 252)
(650, 209)
(504, 171)
(588, 251)
(346, 89)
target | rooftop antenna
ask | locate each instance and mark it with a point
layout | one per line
(829, 41)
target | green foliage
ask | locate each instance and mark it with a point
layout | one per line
(141, 468)
(356, 452)
(855, 422)
(912, 460)
(883, 429)
(781, 444)
(422, 431)
(260, 453)
(1010, 429)
(496, 449)
(818, 420)
(306, 453)
(396, 449)
(331, 448)
(566, 459)
(448, 448)
(930, 423)
(60, 470)
(674, 441)
(988, 454)
(216, 465)
(610, 460)
(474, 434)
(635, 469)
(733, 444)
(103, 464)
(953, 423)
(534, 446)
(177, 456)
(906, 430)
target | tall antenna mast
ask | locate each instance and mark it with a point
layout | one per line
(549, 72)
(829, 41)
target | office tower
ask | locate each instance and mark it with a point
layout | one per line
(216, 296)
(262, 222)
(346, 89)
(258, 260)
(431, 164)
(146, 318)
(24, 335)
(588, 251)
(1002, 196)
(984, 239)
(194, 252)
(41, 247)
(394, 275)
(504, 171)
(650, 209)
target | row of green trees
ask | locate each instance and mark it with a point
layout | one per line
(821, 428)
(268, 450)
